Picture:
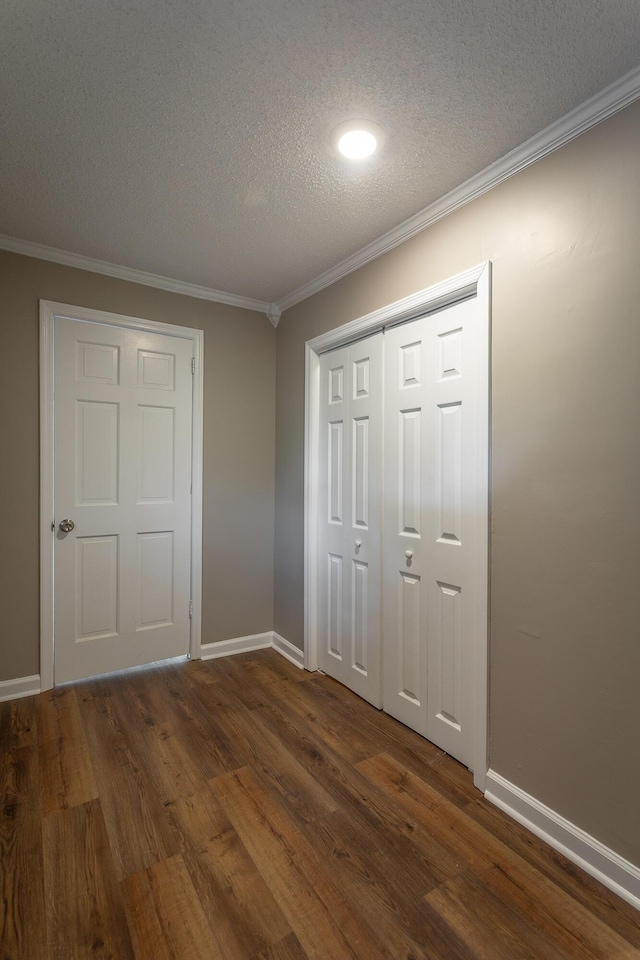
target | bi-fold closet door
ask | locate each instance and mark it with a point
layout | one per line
(350, 511)
(400, 527)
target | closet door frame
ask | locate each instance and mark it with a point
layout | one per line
(474, 282)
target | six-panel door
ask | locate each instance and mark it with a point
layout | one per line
(123, 408)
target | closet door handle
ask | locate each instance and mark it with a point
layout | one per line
(408, 554)
(358, 544)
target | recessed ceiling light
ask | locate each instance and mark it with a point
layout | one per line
(357, 139)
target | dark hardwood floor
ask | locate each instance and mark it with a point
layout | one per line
(242, 809)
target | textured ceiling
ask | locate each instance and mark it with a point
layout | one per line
(189, 138)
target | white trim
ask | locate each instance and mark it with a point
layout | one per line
(476, 281)
(607, 866)
(286, 649)
(593, 111)
(311, 495)
(274, 314)
(256, 641)
(228, 648)
(42, 252)
(49, 310)
(46, 497)
(197, 482)
(483, 480)
(435, 297)
(20, 687)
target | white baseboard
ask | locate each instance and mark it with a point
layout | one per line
(607, 866)
(20, 687)
(29, 686)
(288, 650)
(257, 641)
(227, 648)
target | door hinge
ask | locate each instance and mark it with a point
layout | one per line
(190, 609)
(193, 365)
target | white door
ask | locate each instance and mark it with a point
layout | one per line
(434, 533)
(350, 469)
(122, 476)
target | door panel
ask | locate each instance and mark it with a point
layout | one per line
(156, 452)
(155, 572)
(408, 641)
(349, 520)
(123, 409)
(431, 533)
(96, 452)
(96, 593)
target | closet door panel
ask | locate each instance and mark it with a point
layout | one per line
(333, 502)
(430, 525)
(349, 522)
(406, 484)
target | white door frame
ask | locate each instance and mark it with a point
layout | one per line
(49, 310)
(475, 282)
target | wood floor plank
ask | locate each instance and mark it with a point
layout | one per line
(427, 806)
(22, 908)
(166, 919)
(323, 923)
(67, 770)
(256, 746)
(380, 726)
(19, 722)
(287, 949)
(387, 888)
(240, 907)
(262, 667)
(492, 934)
(138, 830)
(178, 758)
(300, 702)
(85, 913)
(250, 695)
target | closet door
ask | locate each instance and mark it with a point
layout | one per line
(433, 533)
(350, 469)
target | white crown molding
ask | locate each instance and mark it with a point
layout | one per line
(274, 314)
(41, 252)
(593, 111)
(580, 847)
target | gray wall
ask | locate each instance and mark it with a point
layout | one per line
(238, 448)
(564, 238)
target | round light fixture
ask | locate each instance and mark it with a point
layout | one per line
(357, 139)
(357, 144)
